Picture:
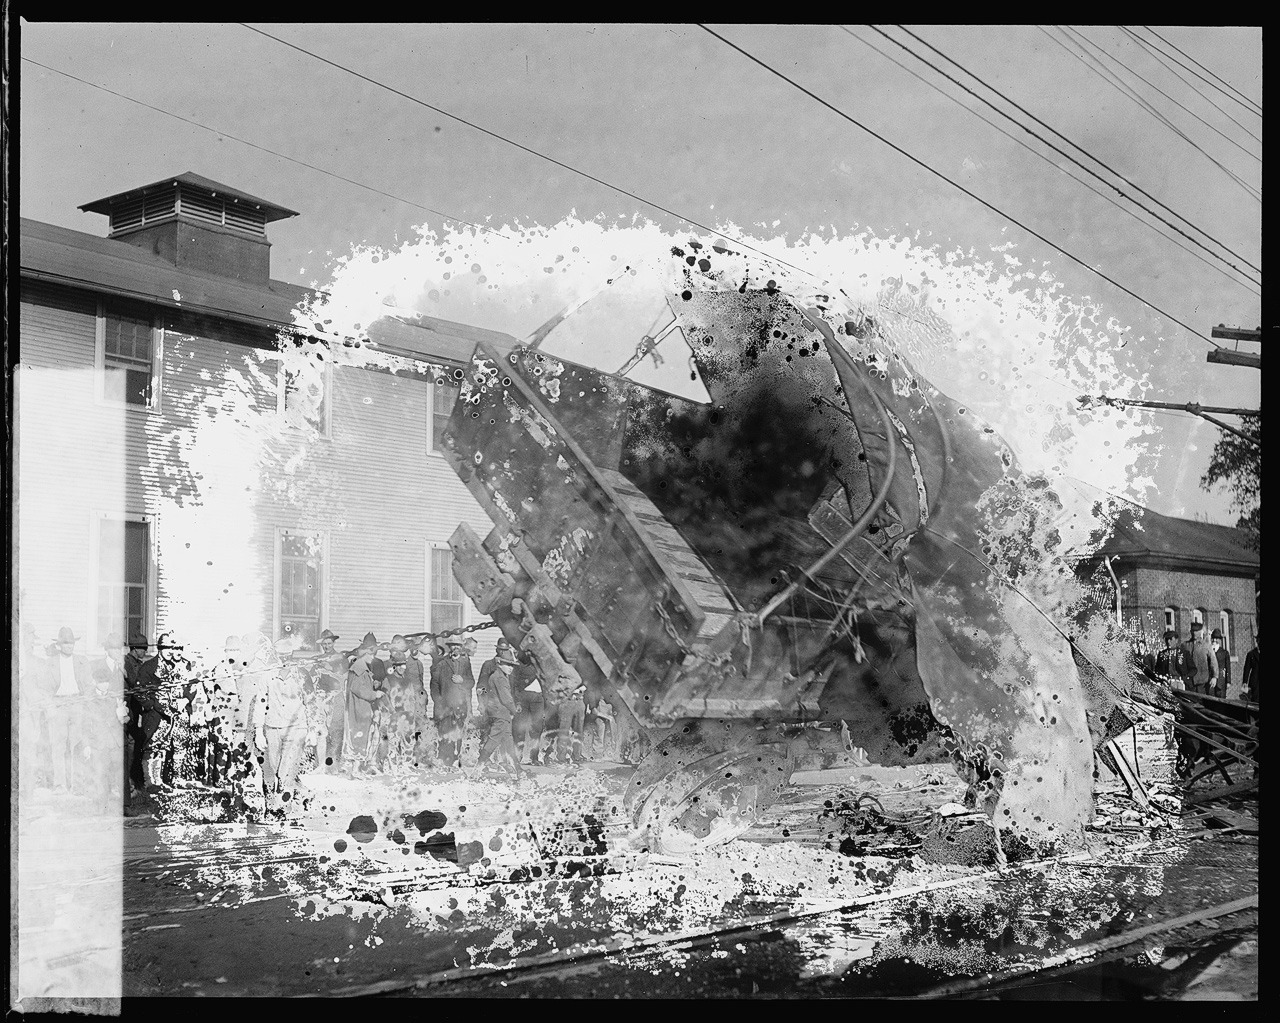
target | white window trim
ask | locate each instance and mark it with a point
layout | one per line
(96, 517)
(447, 374)
(277, 568)
(439, 545)
(100, 362)
(326, 430)
(1224, 624)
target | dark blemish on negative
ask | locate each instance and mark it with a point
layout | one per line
(427, 820)
(686, 295)
(495, 844)
(340, 845)
(362, 828)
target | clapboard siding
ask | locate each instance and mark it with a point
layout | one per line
(221, 474)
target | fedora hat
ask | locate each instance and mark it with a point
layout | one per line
(454, 640)
(1216, 634)
(65, 635)
(329, 635)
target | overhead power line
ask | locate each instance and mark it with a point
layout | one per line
(1161, 59)
(1101, 69)
(1030, 131)
(983, 202)
(264, 149)
(1243, 100)
(1168, 63)
(532, 152)
(1080, 149)
(1062, 170)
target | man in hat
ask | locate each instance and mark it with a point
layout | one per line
(331, 683)
(103, 714)
(428, 737)
(451, 686)
(223, 692)
(135, 741)
(1249, 675)
(111, 672)
(281, 729)
(363, 692)
(155, 703)
(1223, 658)
(532, 717)
(1171, 663)
(71, 677)
(400, 713)
(1203, 667)
(499, 705)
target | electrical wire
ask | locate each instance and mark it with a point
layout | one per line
(523, 148)
(920, 163)
(1061, 152)
(1244, 101)
(1163, 60)
(264, 149)
(1035, 152)
(1109, 76)
(1081, 149)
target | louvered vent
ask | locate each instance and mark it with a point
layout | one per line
(201, 207)
(127, 214)
(246, 218)
(130, 214)
(224, 212)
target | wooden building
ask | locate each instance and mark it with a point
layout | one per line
(183, 466)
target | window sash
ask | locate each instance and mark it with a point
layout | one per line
(300, 587)
(444, 396)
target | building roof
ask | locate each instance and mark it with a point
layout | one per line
(1142, 534)
(197, 181)
(75, 259)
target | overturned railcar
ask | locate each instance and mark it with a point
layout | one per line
(772, 579)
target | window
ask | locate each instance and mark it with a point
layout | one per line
(1197, 616)
(1170, 619)
(1227, 623)
(304, 395)
(299, 587)
(128, 354)
(124, 576)
(444, 395)
(446, 598)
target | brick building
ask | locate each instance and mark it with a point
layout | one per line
(182, 465)
(1172, 572)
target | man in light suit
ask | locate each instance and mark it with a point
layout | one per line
(70, 678)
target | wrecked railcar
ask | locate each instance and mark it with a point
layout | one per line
(768, 580)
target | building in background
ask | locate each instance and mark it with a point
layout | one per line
(1172, 572)
(181, 467)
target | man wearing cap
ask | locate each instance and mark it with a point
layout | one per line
(1223, 659)
(1203, 666)
(281, 729)
(156, 684)
(112, 672)
(400, 712)
(135, 742)
(331, 684)
(363, 692)
(494, 691)
(451, 686)
(71, 677)
(1171, 662)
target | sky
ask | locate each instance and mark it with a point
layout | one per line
(676, 116)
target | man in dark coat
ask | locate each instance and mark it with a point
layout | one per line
(532, 718)
(451, 686)
(1224, 664)
(1249, 677)
(331, 682)
(499, 706)
(102, 717)
(363, 692)
(1172, 663)
(135, 741)
(112, 671)
(400, 714)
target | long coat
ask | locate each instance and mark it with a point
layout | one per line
(402, 712)
(362, 694)
(451, 685)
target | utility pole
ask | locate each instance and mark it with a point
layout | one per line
(1237, 357)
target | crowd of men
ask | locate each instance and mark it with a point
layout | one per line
(145, 719)
(1200, 666)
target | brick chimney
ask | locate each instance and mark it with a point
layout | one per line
(197, 224)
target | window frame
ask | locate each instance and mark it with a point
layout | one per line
(100, 359)
(279, 533)
(464, 601)
(1171, 620)
(446, 378)
(1227, 623)
(96, 518)
(325, 431)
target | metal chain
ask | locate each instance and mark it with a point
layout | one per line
(717, 662)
